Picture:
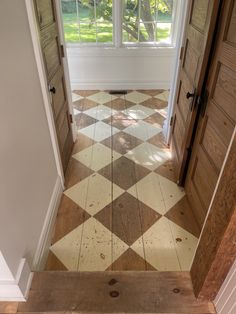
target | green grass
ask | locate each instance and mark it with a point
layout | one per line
(86, 33)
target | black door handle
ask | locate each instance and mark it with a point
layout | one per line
(53, 90)
(190, 95)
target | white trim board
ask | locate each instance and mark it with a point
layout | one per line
(47, 230)
(17, 289)
(113, 52)
(117, 85)
(181, 25)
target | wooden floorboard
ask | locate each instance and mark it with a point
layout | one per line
(8, 307)
(113, 292)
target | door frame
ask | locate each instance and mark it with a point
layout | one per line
(216, 249)
(181, 25)
(207, 288)
(43, 81)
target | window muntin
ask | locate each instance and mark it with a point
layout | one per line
(142, 22)
(147, 21)
(87, 21)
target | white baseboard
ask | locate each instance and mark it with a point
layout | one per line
(120, 85)
(46, 234)
(165, 130)
(17, 289)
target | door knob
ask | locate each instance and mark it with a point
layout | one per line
(53, 90)
(190, 95)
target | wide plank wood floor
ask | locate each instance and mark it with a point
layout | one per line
(113, 292)
(122, 209)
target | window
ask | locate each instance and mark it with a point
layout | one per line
(147, 21)
(142, 22)
(87, 21)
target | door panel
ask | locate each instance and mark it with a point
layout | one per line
(199, 14)
(46, 13)
(224, 92)
(217, 123)
(51, 50)
(197, 46)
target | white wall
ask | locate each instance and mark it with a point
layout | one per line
(225, 301)
(120, 68)
(27, 166)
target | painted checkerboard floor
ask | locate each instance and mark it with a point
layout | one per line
(121, 209)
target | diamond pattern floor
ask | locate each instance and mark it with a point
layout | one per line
(121, 209)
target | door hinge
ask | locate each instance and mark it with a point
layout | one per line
(201, 102)
(204, 102)
(62, 51)
(181, 53)
(171, 121)
(70, 118)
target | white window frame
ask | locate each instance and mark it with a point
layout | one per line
(117, 19)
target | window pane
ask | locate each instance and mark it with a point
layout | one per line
(87, 33)
(130, 10)
(129, 35)
(147, 20)
(86, 11)
(104, 10)
(165, 11)
(147, 32)
(148, 11)
(87, 21)
(164, 32)
(104, 32)
(71, 32)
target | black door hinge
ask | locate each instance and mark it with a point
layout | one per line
(62, 51)
(201, 102)
(70, 118)
(171, 121)
(204, 102)
(181, 53)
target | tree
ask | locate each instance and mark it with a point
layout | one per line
(148, 9)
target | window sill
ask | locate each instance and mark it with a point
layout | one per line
(74, 50)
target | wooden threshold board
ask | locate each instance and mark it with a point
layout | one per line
(113, 292)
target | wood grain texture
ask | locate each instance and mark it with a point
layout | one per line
(216, 125)
(53, 263)
(50, 45)
(216, 251)
(197, 45)
(139, 292)
(8, 307)
(182, 215)
(130, 260)
(70, 215)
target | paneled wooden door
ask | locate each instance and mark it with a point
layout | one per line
(52, 55)
(194, 57)
(217, 119)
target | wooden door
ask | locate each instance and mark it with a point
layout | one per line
(194, 57)
(53, 54)
(217, 119)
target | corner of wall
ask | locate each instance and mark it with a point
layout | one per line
(17, 288)
(44, 243)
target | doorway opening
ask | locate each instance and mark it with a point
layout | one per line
(122, 208)
(120, 183)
